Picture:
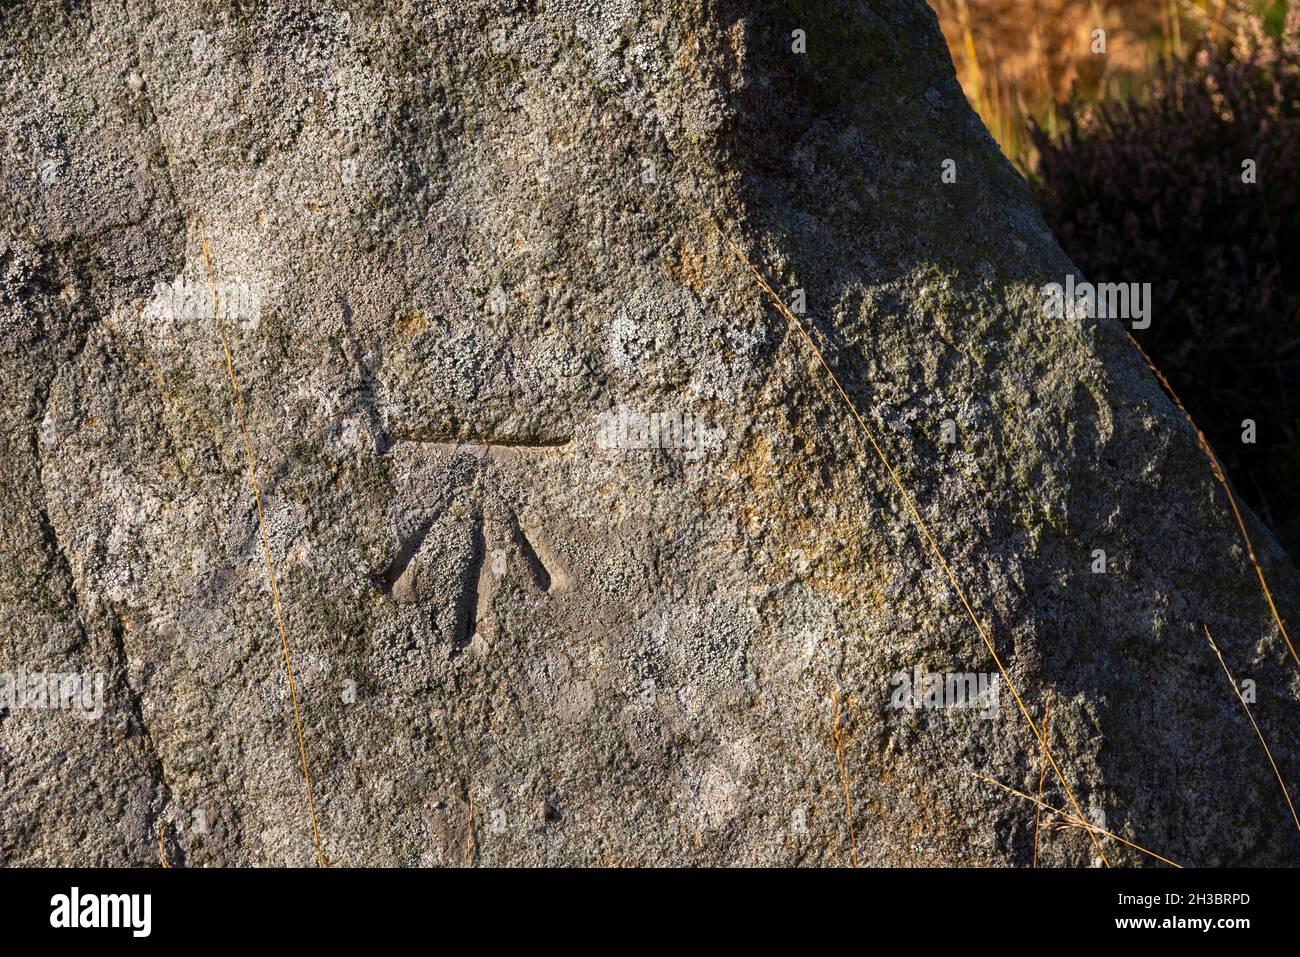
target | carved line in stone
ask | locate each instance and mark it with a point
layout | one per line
(405, 553)
(545, 570)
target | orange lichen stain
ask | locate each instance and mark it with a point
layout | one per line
(689, 267)
(688, 54)
(410, 322)
(832, 555)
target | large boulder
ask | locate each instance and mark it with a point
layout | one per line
(582, 557)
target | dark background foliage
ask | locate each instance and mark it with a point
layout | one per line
(1153, 192)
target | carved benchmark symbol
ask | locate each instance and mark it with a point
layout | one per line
(496, 533)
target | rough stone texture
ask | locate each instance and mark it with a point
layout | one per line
(459, 235)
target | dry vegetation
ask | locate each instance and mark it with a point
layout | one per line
(1019, 60)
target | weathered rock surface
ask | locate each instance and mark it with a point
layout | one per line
(447, 240)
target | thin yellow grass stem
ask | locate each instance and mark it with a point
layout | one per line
(1260, 734)
(785, 311)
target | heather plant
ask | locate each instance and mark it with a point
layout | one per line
(1196, 189)
(1019, 60)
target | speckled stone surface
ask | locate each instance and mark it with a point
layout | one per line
(466, 264)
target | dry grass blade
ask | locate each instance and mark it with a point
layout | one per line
(1260, 734)
(789, 316)
(1217, 469)
(470, 846)
(844, 776)
(266, 546)
(1072, 821)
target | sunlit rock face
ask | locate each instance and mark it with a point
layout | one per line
(581, 556)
